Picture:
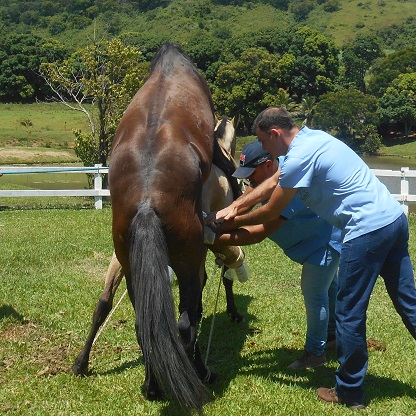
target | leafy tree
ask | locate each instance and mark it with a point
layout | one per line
(372, 140)
(331, 6)
(398, 36)
(301, 8)
(346, 114)
(386, 69)
(204, 49)
(317, 63)
(358, 56)
(247, 85)
(106, 75)
(145, 5)
(399, 102)
(306, 108)
(20, 58)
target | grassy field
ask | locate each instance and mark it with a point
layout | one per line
(38, 133)
(53, 266)
(356, 17)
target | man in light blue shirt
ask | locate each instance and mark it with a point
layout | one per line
(335, 183)
(306, 239)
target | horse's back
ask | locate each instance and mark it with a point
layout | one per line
(162, 150)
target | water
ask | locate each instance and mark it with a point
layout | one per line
(48, 180)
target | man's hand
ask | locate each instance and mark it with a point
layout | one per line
(225, 214)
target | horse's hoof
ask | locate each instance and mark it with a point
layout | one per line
(152, 395)
(237, 318)
(79, 369)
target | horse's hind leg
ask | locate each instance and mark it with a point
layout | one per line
(103, 308)
(229, 295)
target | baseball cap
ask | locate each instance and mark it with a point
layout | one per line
(251, 156)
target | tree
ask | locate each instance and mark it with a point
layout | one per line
(245, 86)
(358, 56)
(398, 104)
(20, 58)
(316, 65)
(347, 114)
(98, 80)
(306, 108)
(301, 8)
(386, 69)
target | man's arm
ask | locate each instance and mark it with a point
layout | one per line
(246, 201)
(250, 234)
(267, 212)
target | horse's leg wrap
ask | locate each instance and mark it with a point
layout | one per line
(232, 256)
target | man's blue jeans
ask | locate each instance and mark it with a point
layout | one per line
(319, 287)
(382, 252)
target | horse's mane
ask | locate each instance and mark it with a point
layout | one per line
(220, 130)
(174, 51)
(167, 54)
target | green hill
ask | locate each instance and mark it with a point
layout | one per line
(74, 22)
(366, 16)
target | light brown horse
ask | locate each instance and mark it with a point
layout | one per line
(161, 157)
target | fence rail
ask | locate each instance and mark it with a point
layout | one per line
(98, 192)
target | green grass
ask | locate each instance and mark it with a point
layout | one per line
(358, 16)
(40, 124)
(53, 266)
(401, 147)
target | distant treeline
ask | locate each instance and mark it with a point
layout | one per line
(356, 90)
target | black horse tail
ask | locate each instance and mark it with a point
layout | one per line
(156, 327)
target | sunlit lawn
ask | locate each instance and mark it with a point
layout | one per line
(53, 264)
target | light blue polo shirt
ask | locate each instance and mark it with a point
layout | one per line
(336, 184)
(305, 238)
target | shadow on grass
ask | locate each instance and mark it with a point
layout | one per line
(272, 364)
(230, 338)
(7, 311)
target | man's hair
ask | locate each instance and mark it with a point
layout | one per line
(273, 117)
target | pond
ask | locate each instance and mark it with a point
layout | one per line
(48, 180)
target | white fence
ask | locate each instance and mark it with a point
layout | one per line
(404, 173)
(98, 192)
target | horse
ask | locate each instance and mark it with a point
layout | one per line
(217, 193)
(160, 158)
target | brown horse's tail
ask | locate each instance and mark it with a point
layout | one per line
(156, 328)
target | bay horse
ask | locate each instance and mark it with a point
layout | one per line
(160, 158)
(217, 193)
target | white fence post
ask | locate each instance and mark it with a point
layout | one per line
(98, 186)
(404, 190)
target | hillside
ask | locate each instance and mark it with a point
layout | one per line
(358, 16)
(74, 23)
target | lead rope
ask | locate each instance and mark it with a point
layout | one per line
(211, 280)
(213, 316)
(109, 317)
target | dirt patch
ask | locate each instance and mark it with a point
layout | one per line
(49, 355)
(28, 155)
